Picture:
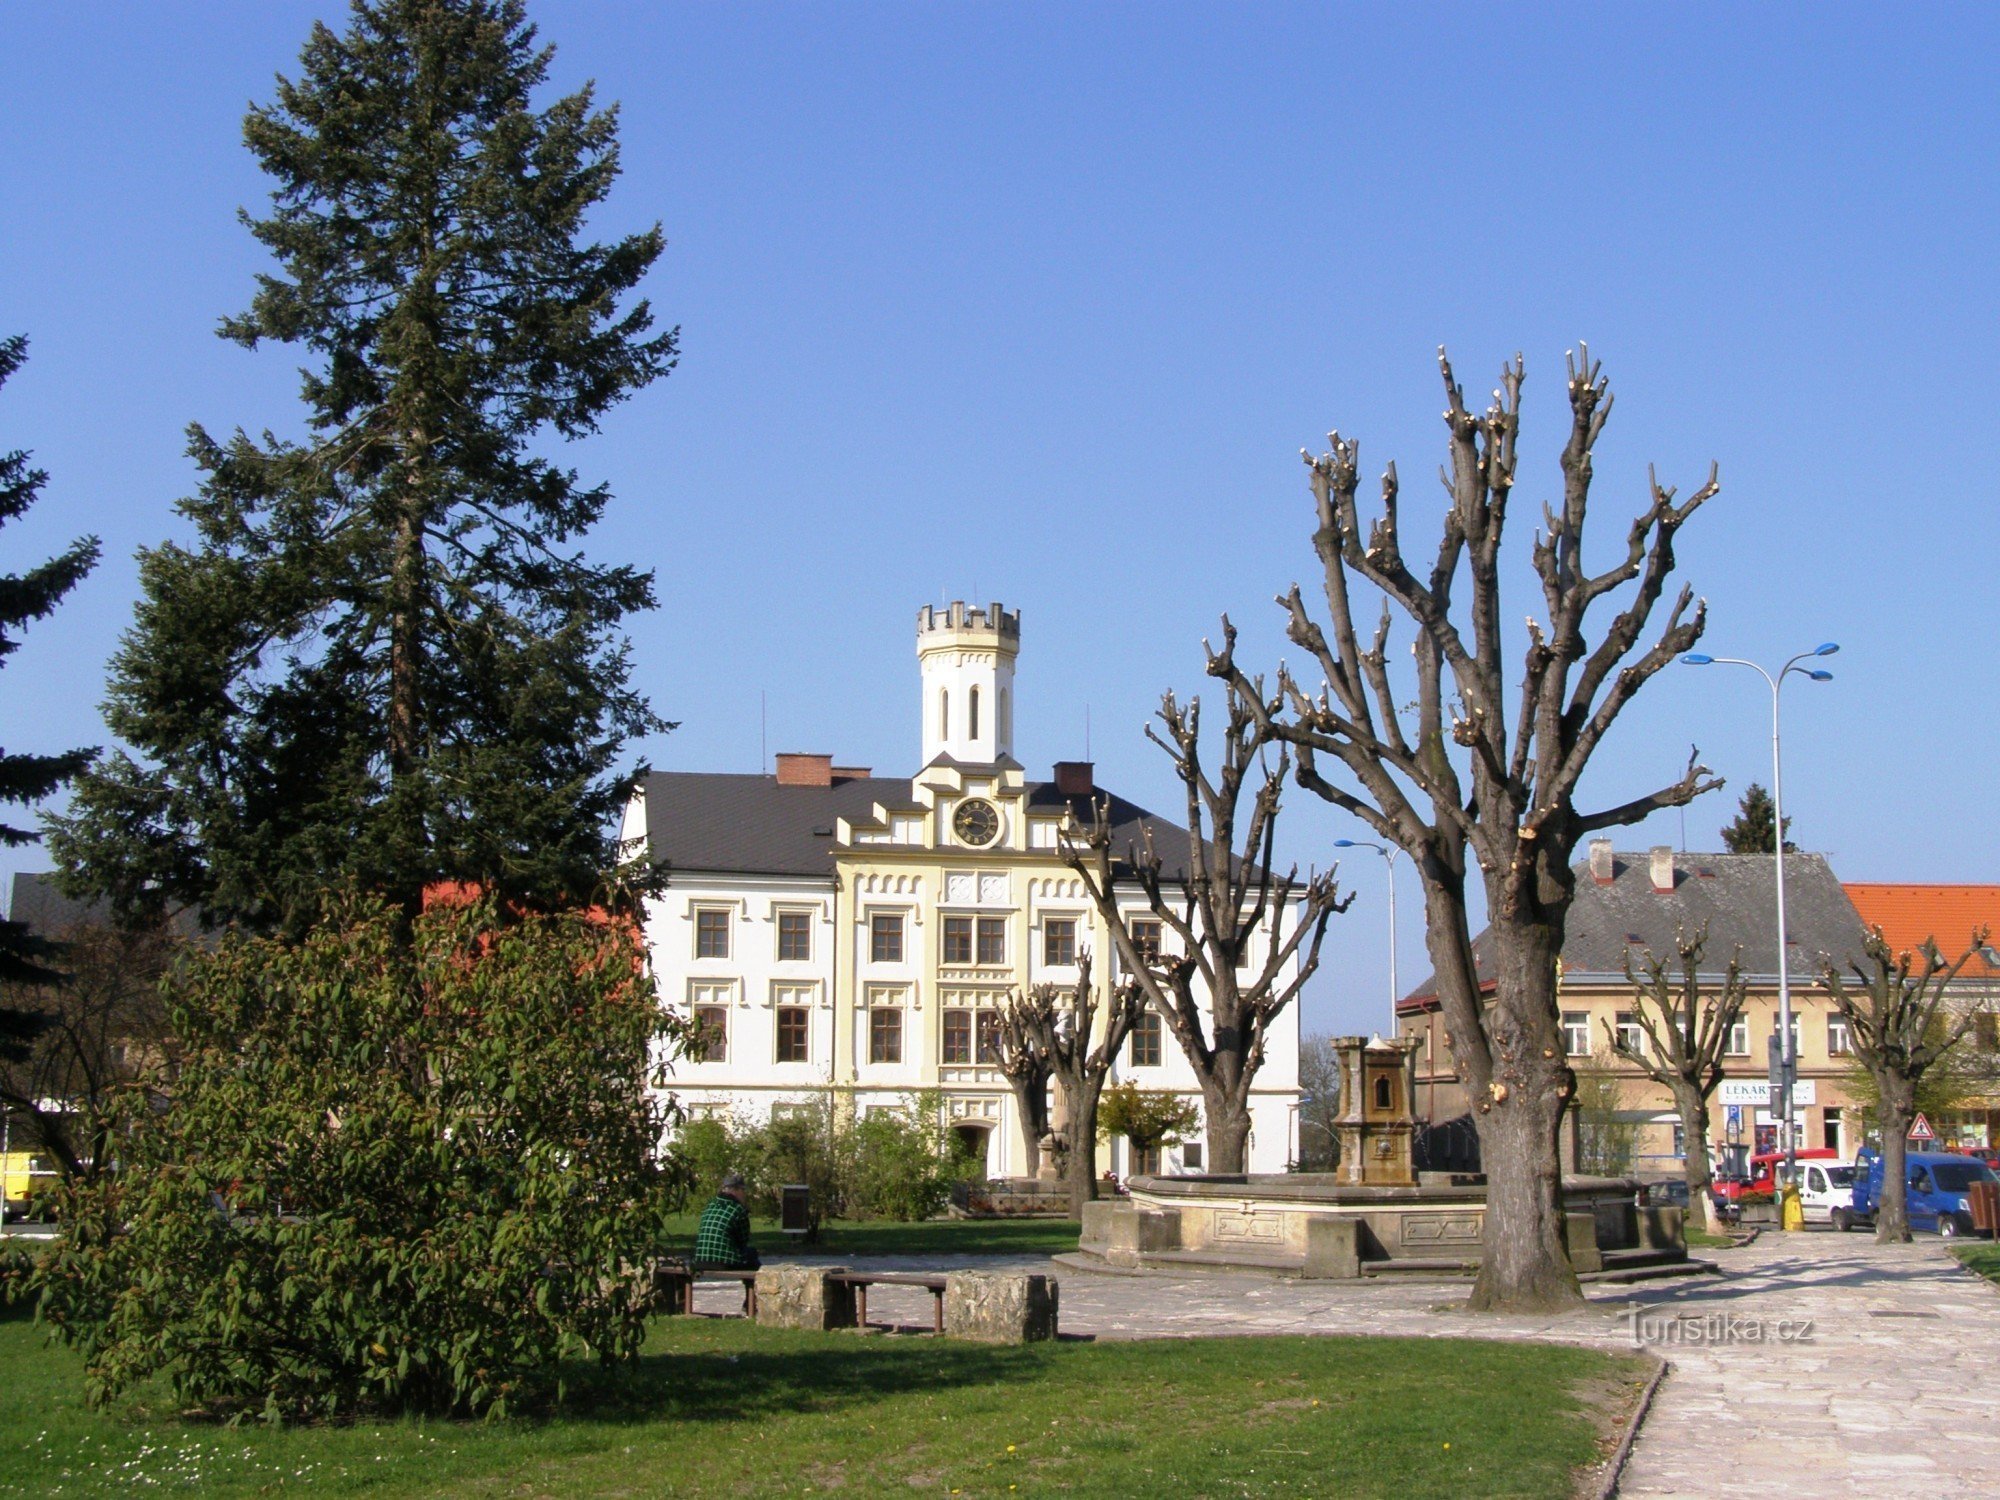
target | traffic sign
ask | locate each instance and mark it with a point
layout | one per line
(1921, 1130)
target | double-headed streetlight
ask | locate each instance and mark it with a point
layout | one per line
(1388, 853)
(1788, 1050)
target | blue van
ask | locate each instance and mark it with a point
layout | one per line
(1938, 1182)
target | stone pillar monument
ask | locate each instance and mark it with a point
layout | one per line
(1377, 1123)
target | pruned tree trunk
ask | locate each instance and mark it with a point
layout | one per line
(1696, 1165)
(1524, 1258)
(1080, 1164)
(1226, 1124)
(1892, 1213)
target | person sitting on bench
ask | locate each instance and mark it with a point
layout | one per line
(722, 1240)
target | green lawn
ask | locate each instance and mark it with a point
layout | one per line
(932, 1237)
(1985, 1259)
(719, 1407)
(1700, 1239)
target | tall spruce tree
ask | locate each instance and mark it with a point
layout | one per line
(383, 662)
(1755, 829)
(28, 778)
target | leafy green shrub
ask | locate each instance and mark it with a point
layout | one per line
(396, 1172)
(906, 1163)
(708, 1148)
(1148, 1118)
(811, 1143)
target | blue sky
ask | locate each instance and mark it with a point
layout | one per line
(1041, 303)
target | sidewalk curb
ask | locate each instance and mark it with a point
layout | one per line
(1614, 1469)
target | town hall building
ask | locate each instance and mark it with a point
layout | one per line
(829, 929)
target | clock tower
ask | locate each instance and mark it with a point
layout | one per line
(965, 655)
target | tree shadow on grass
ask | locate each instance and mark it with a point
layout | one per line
(805, 1372)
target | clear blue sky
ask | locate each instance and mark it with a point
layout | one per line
(1042, 302)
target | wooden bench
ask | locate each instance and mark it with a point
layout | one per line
(862, 1280)
(676, 1281)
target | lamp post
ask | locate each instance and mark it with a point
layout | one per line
(1388, 854)
(1788, 1050)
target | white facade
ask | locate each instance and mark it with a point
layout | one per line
(879, 974)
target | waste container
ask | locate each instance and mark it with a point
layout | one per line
(1982, 1199)
(1791, 1212)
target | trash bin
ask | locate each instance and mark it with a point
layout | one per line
(1983, 1200)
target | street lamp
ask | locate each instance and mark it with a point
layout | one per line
(1388, 853)
(1788, 1074)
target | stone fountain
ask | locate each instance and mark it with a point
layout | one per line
(1374, 1214)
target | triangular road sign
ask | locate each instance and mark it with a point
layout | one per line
(1921, 1130)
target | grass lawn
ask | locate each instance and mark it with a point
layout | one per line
(720, 1407)
(1985, 1259)
(932, 1237)
(1700, 1239)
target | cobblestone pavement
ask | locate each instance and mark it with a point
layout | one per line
(1892, 1390)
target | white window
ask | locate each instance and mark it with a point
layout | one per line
(1631, 1036)
(1576, 1033)
(1738, 1044)
(1839, 1043)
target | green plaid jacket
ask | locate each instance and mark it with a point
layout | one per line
(723, 1237)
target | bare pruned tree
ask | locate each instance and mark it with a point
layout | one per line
(1900, 1030)
(102, 1027)
(1446, 770)
(1023, 1058)
(1058, 1022)
(1686, 1027)
(1217, 987)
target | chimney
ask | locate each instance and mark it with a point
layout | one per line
(804, 770)
(852, 773)
(1076, 778)
(1661, 858)
(1601, 869)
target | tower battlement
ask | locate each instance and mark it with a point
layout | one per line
(936, 619)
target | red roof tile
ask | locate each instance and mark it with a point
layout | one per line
(1907, 914)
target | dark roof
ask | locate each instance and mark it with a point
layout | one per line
(1734, 894)
(39, 905)
(726, 823)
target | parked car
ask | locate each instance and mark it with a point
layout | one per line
(1763, 1179)
(1826, 1192)
(1674, 1190)
(1937, 1184)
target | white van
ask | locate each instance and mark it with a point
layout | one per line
(1826, 1192)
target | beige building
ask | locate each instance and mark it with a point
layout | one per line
(1630, 902)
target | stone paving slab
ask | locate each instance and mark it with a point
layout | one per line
(1894, 1390)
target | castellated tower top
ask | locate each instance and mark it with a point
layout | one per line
(958, 617)
(965, 655)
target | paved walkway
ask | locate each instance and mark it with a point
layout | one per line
(1894, 1389)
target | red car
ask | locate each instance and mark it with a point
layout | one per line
(1763, 1179)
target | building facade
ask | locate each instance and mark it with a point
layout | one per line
(1631, 903)
(830, 929)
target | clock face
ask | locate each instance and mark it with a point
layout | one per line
(976, 822)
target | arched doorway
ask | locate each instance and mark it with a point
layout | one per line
(975, 1138)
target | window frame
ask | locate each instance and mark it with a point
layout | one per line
(712, 1036)
(1055, 955)
(1839, 1037)
(885, 1023)
(787, 1018)
(957, 1051)
(795, 922)
(953, 928)
(883, 924)
(1575, 1025)
(989, 942)
(704, 914)
(1147, 1036)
